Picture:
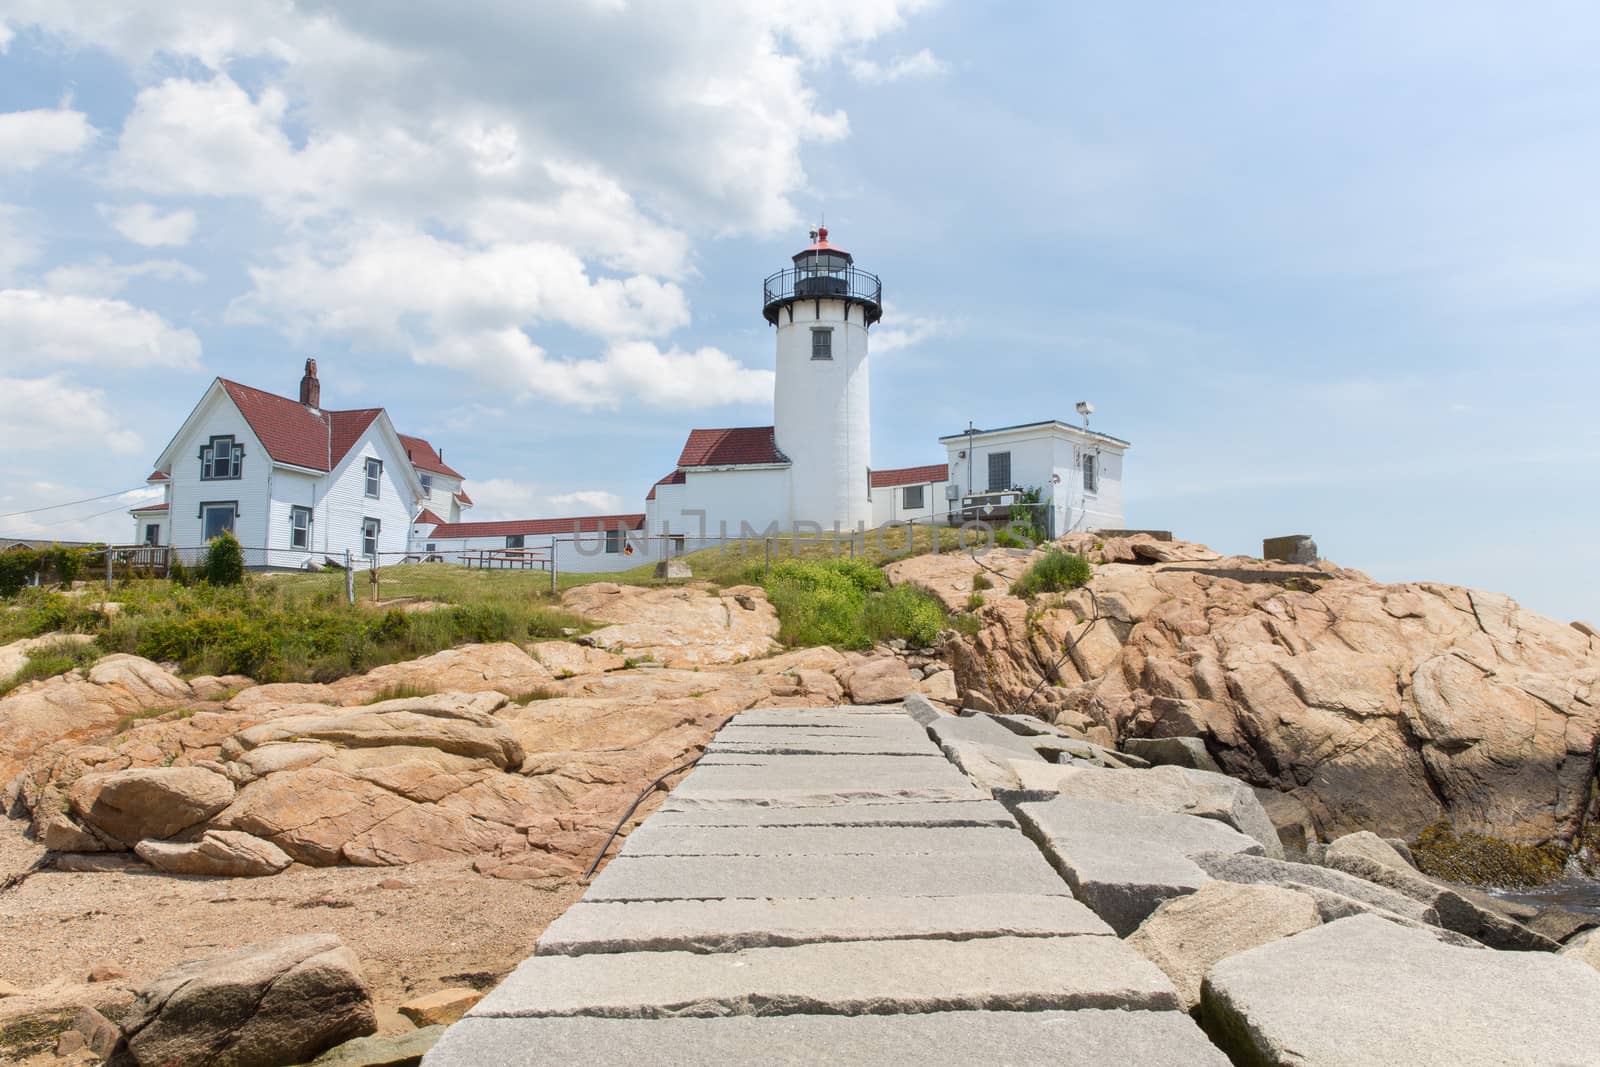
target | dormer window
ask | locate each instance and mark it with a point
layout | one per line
(221, 458)
(374, 477)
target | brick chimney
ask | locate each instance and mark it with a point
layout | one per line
(310, 388)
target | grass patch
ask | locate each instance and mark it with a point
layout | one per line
(975, 601)
(1055, 572)
(297, 628)
(847, 603)
(402, 691)
(1476, 859)
(980, 582)
(47, 661)
(538, 692)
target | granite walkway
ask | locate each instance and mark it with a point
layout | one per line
(827, 887)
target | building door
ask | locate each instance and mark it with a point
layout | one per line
(152, 533)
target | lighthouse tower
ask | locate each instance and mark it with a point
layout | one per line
(822, 307)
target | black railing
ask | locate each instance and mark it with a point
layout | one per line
(805, 283)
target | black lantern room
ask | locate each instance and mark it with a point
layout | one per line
(823, 271)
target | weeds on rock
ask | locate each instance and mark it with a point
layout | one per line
(1056, 572)
(402, 691)
(47, 661)
(848, 603)
(1477, 859)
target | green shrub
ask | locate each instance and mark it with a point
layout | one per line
(980, 582)
(975, 601)
(17, 568)
(906, 612)
(847, 603)
(1055, 572)
(67, 563)
(178, 573)
(224, 561)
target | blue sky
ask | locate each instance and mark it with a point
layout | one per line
(1330, 267)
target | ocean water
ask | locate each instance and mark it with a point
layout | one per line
(1575, 894)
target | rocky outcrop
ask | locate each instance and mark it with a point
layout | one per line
(150, 802)
(218, 853)
(678, 627)
(80, 705)
(1381, 707)
(268, 1005)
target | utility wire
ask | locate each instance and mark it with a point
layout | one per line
(70, 503)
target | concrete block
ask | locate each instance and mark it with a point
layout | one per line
(1172, 752)
(1292, 548)
(1090, 1038)
(840, 978)
(1124, 861)
(963, 842)
(730, 925)
(945, 813)
(823, 779)
(1364, 991)
(707, 877)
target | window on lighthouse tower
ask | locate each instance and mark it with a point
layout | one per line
(821, 343)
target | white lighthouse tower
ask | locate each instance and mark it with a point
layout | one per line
(822, 307)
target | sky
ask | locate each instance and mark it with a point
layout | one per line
(1332, 268)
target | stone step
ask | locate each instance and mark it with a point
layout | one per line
(1363, 990)
(943, 813)
(810, 743)
(717, 877)
(839, 978)
(997, 843)
(1123, 861)
(730, 925)
(771, 779)
(1091, 1038)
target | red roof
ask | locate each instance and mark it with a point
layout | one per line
(933, 472)
(580, 524)
(425, 457)
(148, 507)
(157, 476)
(310, 437)
(821, 244)
(427, 518)
(463, 498)
(675, 478)
(734, 447)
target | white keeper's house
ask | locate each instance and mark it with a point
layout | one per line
(297, 484)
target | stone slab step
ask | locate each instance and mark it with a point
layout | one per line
(945, 813)
(849, 779)
(718, 877)
(1123, 861)
(1061, 1039)
(730, 925)
(840, 978)
(653, 839)
(1364, 990)
(810, 716)
(815, 744)
(895, 727)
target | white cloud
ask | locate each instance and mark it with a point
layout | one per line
(444, 190)
(505, 498)
(29, 139)
(632, 371)
(917, 65)
(17, 248)
(593, 501)
(5, 37)
(144, 224)
(47, 329)
(379, 286)
(50, 413)
(908, 331)
(101, 277)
